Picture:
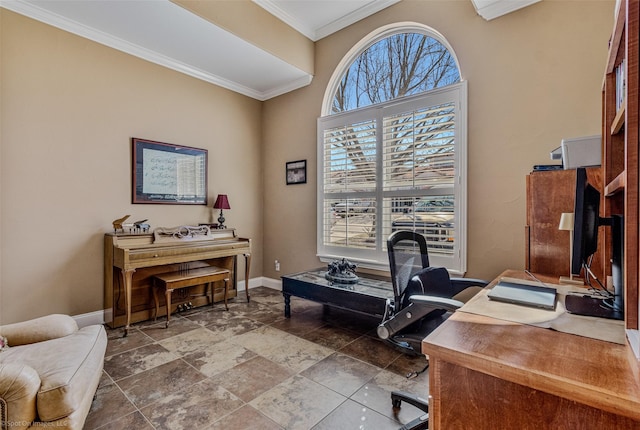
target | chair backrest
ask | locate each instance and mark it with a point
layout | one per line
(408, 254)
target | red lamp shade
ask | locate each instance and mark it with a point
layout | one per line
(222, 202)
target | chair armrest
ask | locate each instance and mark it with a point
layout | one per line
(459, 285)
(19, 385)
(469, 282)
(39, 329)
(436, 302)
(419, 306)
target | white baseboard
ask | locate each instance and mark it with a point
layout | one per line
(275, 284)
(99, 317)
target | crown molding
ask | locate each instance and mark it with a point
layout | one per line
(353, 17)
(288, 87)
(71, 26)
(316, 34)
(491, 9)
(275, 10)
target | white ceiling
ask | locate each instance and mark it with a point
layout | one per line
(319, 18)
(164, 33)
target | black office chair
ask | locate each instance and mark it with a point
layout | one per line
(424, 297)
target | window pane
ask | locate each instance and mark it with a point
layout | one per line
(432, 216)
(397, 66)
(350, 222)
(350, 158)
(419, 149)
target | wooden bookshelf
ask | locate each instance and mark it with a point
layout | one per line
(620, 153)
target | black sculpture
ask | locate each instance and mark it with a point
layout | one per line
(342, 272)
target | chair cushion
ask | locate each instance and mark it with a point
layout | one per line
(430, 281)
(66, 366)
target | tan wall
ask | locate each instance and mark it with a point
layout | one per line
(534, 77)
(68, 110)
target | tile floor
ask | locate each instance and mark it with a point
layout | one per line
(251, 368)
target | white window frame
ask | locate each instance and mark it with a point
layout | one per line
(377, 259)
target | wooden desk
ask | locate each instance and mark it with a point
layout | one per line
(131, 261)
(492, 374)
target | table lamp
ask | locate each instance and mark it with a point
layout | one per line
(222, 202)
(566, 224)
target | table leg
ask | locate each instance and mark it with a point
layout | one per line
(212, 286)
(226, 289)
(127, 280)
(287, 305)
(247, 265)
(156, 300)
(168, 300)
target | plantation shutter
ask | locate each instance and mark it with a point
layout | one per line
(393, 166)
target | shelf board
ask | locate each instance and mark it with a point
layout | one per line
(616, 185)
(618, 121)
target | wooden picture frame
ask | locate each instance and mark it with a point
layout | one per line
(167, 173)
(296, 172)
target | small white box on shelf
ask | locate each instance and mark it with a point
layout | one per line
(581, 152)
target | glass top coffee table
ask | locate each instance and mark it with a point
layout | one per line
(368, 296)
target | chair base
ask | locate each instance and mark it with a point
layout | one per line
(422, 422)
(404, 345)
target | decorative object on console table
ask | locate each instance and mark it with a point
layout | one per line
(211, 225)
(130, 227)
(141, 226)
(118, 223)
(566, 224)
(342, 272)
(296, 172)
(222, 202)
(183, 232)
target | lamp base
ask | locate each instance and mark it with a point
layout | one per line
(221, 221)
(566, 280)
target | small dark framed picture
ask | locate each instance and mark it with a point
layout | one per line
(297, 172)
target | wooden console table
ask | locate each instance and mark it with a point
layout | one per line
(487, 373)
(131, 261)
(368, 296)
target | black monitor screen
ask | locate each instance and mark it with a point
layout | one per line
(586, 221)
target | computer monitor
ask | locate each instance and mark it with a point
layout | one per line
(586, 222)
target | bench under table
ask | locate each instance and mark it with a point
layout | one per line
(168, 282)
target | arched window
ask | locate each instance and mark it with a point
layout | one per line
(399, 65)
(391, 149)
